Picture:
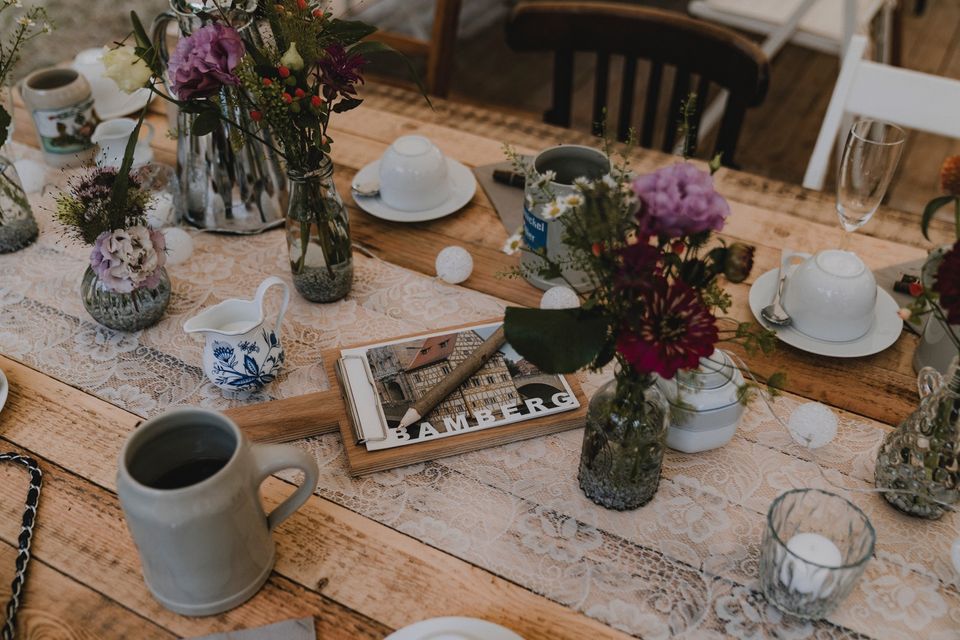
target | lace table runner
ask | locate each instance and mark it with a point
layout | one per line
(686, 564)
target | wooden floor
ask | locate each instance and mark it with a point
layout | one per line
(778, 137)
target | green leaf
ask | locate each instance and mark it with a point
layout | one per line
(556, 340)
(346, 104)
(372, 46)
(139, 33)
(4, 124)
(347, 32)
(932, 207)
(205, 123)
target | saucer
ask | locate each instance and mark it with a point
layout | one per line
(462, 188)
(454, 627)
(885, 330)
(108, 100)
(4, 389)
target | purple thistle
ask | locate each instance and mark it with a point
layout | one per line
(340, 72)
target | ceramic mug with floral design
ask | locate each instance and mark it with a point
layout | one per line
(61, 103)
(241, 352)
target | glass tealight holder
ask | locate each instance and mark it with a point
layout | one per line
(815, 548)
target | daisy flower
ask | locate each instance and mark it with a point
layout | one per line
(553, 209)
(514, 242)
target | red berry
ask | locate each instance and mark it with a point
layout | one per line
(316, 101)
(267, 82)
(286, 97)
(302, 4)
(283, 71)
(318, 13)
(256, 116)
(597, 249)
(916, 289)
(299, 93)
(678, 247)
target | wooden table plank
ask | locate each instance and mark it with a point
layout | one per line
(324, 548)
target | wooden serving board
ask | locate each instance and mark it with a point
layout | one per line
(325, 412)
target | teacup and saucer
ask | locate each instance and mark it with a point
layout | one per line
(834, 303)
(413, 182)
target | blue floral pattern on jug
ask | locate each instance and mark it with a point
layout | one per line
(251, 374)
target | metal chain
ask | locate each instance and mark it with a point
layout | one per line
(7, 632)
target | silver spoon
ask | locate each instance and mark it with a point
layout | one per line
(774, 313)
(369, 189)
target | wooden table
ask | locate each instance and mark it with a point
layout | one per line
(359, 578)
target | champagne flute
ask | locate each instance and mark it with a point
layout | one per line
(870, 158)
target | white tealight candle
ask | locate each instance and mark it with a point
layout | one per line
(804, 577)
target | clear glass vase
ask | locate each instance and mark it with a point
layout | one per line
(623, 442)
(18, 228)
(139, 309)
(920, 459)
(318, 236)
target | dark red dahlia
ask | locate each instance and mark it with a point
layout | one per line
(674, 331)
(948, 284)
(638, 266)
(340, 72)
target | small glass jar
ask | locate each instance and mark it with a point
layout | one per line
(815, 548)
(18, 228)
(920, 459)
(318, 236)
(139, 309)
(623, 442)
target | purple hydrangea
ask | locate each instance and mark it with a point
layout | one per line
(205, 61)
(128, 259)
(679, 200)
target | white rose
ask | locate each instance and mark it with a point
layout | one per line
(124, 66)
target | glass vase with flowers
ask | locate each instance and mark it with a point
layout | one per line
(303, 66)
(919, 461)
(18, 228)
(654, 265)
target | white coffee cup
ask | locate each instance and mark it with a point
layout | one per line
(830, 296)
(111, 136)
(413, 175)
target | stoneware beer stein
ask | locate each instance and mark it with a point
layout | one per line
(241, 353)
(61, 103)
(188, 483)
(569, 162)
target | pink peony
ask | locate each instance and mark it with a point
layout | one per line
(679, 200)
(205, 61)
(128, 259)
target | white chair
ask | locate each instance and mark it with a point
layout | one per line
(868, 89)
(823, 25)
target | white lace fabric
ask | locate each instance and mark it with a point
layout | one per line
(684, 565)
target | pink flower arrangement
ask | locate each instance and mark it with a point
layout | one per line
(205, 61)
(128, 259)
(679, 200)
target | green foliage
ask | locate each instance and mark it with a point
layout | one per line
(931, 209)
(557, 340)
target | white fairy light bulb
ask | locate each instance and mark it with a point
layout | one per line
(454, 265)
(560, 297)
(813, 425)
(179, 245)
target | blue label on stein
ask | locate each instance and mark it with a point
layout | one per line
(534, 230)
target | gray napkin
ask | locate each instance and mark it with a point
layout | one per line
(301, 629)
(506, 200)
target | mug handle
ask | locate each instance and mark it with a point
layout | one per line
(262, 290)
(270, 458)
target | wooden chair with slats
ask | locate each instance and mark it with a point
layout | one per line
(667, 39)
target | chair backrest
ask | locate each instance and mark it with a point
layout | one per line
(712, 53)
(868, 89)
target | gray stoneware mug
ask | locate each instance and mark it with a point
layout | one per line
(61, 103)
(189, 483)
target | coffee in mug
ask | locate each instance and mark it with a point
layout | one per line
(61, 103)
(188, 483)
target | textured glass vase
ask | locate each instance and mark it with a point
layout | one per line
(623, 442)
(18, 228)
(139, 309)
(921, 458)
(318, 236)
